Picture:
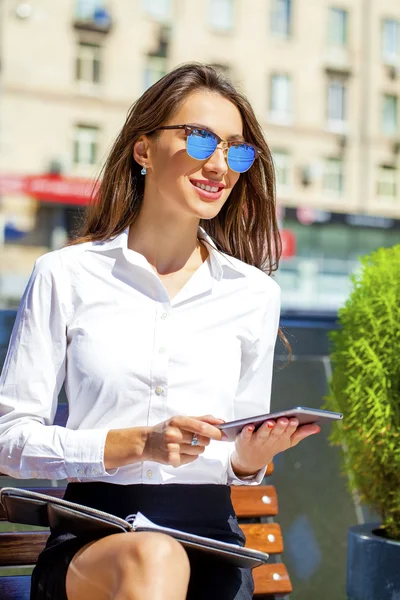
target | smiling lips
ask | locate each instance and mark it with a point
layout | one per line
(209, 190)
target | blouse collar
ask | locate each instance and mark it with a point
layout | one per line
(219, 261)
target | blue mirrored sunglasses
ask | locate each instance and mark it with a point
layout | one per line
(201, 144)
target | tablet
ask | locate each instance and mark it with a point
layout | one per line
(304, 415)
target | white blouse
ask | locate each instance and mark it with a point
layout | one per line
(97, 317)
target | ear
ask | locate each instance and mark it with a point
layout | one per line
(141, 151)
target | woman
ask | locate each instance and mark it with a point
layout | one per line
(161, 309)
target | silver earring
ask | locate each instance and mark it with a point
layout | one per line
(144, 170)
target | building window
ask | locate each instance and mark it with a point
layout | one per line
(88, 63)
(158, 9)
(221, 14)
(390, 114)
(86, 144)
(334, 176)
(156, 67)
(337, 27)
(282, 168)
(281, 98)
(281, 18)
(337, 103)
(387, 182)
(391, 41)
(86, 9)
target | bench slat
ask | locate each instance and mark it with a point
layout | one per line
(266, 537)
(271, 579)
(19, 549)
(254, 501)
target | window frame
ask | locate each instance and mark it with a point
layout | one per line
(390, 58)
(393, 131)
(285, 168)
(275, 114)
(78, 141)
(330, 173)
(88, 63)
(345, 29)
(393, 180)
(334, 122)
(148, 81)
(148, 6)
(279, 16)
(214, 26)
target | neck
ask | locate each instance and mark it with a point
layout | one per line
(169, 244)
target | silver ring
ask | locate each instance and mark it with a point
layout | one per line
(194, 441)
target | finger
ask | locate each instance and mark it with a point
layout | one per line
(211, 419)
(199, 427)
(247, 433)
(280, 427)
(192, 450)
(174, 454)
(292, 426)
(173, 434)
(188, 437)
(303, 432)
(264, 431)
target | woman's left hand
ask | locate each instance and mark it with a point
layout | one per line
(255, 449)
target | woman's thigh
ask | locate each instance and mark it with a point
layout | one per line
(122, 563)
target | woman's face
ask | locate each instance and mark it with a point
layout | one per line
(174, 177)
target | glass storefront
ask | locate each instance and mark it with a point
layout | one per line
(327, 250)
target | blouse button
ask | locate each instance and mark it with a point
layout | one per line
(149, 474)
(95, 472)
(164, 316)
(159, 390)
(81, 472)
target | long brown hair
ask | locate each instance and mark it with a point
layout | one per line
(246, 227)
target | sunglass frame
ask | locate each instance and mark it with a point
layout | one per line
(228, 144)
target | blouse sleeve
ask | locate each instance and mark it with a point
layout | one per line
(33, 374)
(253, 395)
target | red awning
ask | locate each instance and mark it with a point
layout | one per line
(49, 188)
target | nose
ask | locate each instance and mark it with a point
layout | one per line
(217, 162)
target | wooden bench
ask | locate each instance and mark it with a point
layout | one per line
(255, 506)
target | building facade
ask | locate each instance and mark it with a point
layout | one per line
(323, 77)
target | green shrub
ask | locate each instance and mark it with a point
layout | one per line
(365, 385)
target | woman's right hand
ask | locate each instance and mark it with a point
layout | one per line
(169, 442)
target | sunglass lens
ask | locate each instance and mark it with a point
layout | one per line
(241, 157)
(200, 144)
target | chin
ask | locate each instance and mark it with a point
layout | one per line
(208, 212)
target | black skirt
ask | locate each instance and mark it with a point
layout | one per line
(201, 509)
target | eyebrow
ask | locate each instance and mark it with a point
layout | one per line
(232, 138)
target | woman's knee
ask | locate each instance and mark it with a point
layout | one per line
(156, 549)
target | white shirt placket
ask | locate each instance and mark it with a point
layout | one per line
(159, 379)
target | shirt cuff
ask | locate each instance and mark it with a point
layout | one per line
(84, 453)
(252, 480)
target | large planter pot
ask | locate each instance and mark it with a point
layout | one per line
(373, 565)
